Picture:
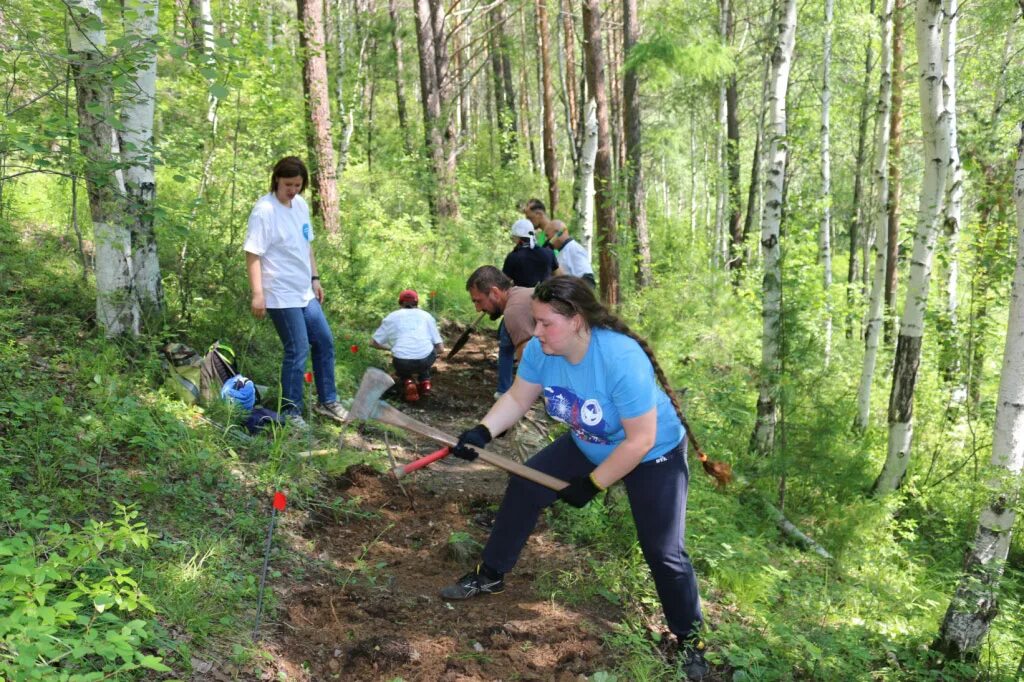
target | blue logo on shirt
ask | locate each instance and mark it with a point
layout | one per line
(584, 417)
(305, 231)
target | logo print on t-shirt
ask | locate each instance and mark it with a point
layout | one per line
(585, 418)
(305, 231)
(591, 413)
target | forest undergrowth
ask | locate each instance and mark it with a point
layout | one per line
(135, 526)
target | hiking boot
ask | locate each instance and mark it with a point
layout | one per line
(332, 410)
(692, 656)
(472, 584)
(295, 421)
(411, 394)
(425, 387)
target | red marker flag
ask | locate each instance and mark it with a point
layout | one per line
(280, 501)
(309, 377)
(355, 348)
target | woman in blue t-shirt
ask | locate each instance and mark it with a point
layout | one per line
(602, 380)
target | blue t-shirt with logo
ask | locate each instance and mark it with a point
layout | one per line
(614, 381)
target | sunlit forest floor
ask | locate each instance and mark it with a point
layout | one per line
(87, 425)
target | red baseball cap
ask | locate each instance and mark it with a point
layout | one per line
(408, 296)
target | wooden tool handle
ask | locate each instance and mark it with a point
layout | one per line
(389, 415)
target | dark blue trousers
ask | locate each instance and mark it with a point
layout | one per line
(657, 498)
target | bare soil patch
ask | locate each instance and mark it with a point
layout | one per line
(367, 607)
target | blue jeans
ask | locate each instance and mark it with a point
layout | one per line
(657, 498)
(301, 329)
(506, 359)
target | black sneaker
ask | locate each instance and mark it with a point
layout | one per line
(692, 658)
(472, 584)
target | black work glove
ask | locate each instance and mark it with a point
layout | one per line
(579, 492)
(479, 436)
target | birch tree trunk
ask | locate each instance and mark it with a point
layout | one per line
(634, 149)
(954, 198)
(754, 190)
(935, 134)
(318, 112)
(550, 160)
(137, 152)
(117, 308)
(584, 186)
(771, 220)
(825, 238)
(604, 204)
(975, 603)
(873, 328)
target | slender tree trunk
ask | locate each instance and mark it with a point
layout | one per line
(318, 111)
(396, 45)
(137, 152)
(825, 233)
(550, 161)
(573, 112)
(771, 220)
(949, 332)
(438, 131)
(874, 317)
(895, 178)
(604, 202)
(634, 149)
(117, 309)
(935, 134)
(732, 149)
(754, 191)
(975, 603)
(504, 90)
(857, 224)
(583, 188)
(524, 100)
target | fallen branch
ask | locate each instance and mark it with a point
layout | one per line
(791, 531)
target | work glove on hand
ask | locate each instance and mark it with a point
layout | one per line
(478, 436)
(579, 492)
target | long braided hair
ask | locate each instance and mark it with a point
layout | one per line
(570, 296)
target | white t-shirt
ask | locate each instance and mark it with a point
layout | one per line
(411, 333)
(280, 236)
(574, 260)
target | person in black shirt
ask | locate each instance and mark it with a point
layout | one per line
(527, 264)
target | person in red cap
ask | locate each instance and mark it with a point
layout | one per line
(412, 337)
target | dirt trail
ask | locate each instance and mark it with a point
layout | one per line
(367, 608)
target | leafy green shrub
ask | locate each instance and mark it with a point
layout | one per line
(64, 598)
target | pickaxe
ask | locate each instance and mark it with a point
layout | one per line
(368, 405)
(465, 336)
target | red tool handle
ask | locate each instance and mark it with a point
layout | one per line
(404, 469)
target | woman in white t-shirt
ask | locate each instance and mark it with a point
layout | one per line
(285, 283)
(412, 337)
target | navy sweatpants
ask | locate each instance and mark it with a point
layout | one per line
(657, 498)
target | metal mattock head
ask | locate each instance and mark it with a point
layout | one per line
(371, 388)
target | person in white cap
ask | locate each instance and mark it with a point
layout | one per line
(527, 264)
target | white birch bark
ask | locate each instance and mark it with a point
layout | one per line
(825, 238)
(206, 16)
(935, 134)
(137, 152)
(116, 308)
(975, 603)
(954, 178)
(873, 328)
(585, 179)
(771, 219)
